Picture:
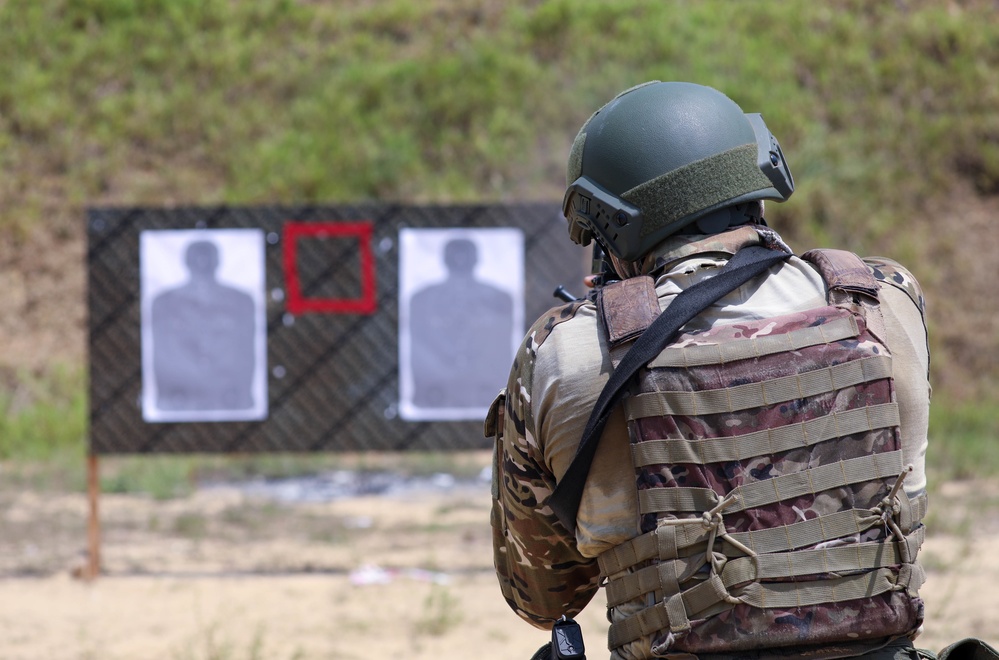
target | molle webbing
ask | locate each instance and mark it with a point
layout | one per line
(771, 491)
(768, 441)
(754, 395)
(665, 578)
(754, 347)
(674, 613)
(668, 542)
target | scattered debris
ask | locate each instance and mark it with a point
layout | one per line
(372, 574)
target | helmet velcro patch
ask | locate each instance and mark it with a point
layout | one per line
(701, 186)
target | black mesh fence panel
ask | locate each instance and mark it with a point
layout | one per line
(332, 376)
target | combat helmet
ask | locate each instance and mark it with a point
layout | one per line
(662, 155)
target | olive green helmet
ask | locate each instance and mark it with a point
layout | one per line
(660, 156)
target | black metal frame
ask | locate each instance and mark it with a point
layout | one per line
(339, 385)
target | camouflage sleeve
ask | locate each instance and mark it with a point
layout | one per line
(904, 310)
(891, 272)
(888, 271)
(541, 573)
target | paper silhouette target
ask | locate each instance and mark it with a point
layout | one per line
(461, 319)
(204, 333)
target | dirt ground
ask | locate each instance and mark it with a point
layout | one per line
(223, 573)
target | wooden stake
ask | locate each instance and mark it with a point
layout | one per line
(93, 524)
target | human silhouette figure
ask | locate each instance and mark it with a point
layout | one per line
(461, 332)
(203, 339)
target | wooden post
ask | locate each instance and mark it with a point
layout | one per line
(93, 568)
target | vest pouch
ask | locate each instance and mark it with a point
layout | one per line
(493, 428)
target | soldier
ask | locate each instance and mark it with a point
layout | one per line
(751, 483)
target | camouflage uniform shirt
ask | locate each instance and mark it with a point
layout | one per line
(560, 370)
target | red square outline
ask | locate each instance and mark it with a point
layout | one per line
(298, 304)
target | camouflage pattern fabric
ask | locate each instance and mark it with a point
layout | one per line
(525, 532)
(685, 246)
(795, 628)
(887, 271)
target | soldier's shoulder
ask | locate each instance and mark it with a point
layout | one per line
(890, 272)
(547, 322)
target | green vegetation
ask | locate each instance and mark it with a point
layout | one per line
(971, 447)
(213, 643)
(886, 111)
(880, 104)
(441, 613)
(43, 416)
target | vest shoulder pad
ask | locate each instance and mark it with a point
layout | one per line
(627, 308)
(843, 271)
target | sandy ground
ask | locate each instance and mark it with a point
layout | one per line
(223, 574)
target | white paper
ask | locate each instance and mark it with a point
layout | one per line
(204, 326)
(461, 318)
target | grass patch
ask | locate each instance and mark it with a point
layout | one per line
(160, 477)
(441, 613)
(212, 643)
(878, 106)
(963, 441)
(191, 525)
(62, 471)
(42, 416)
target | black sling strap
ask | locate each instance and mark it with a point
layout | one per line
(747, 263)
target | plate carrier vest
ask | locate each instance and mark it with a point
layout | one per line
(769, 473)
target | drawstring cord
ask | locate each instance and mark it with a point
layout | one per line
(890, 508)
(713, 522)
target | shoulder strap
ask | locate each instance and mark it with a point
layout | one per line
(850, 282)
(627, 308)
(744, 266)
(843, 271)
